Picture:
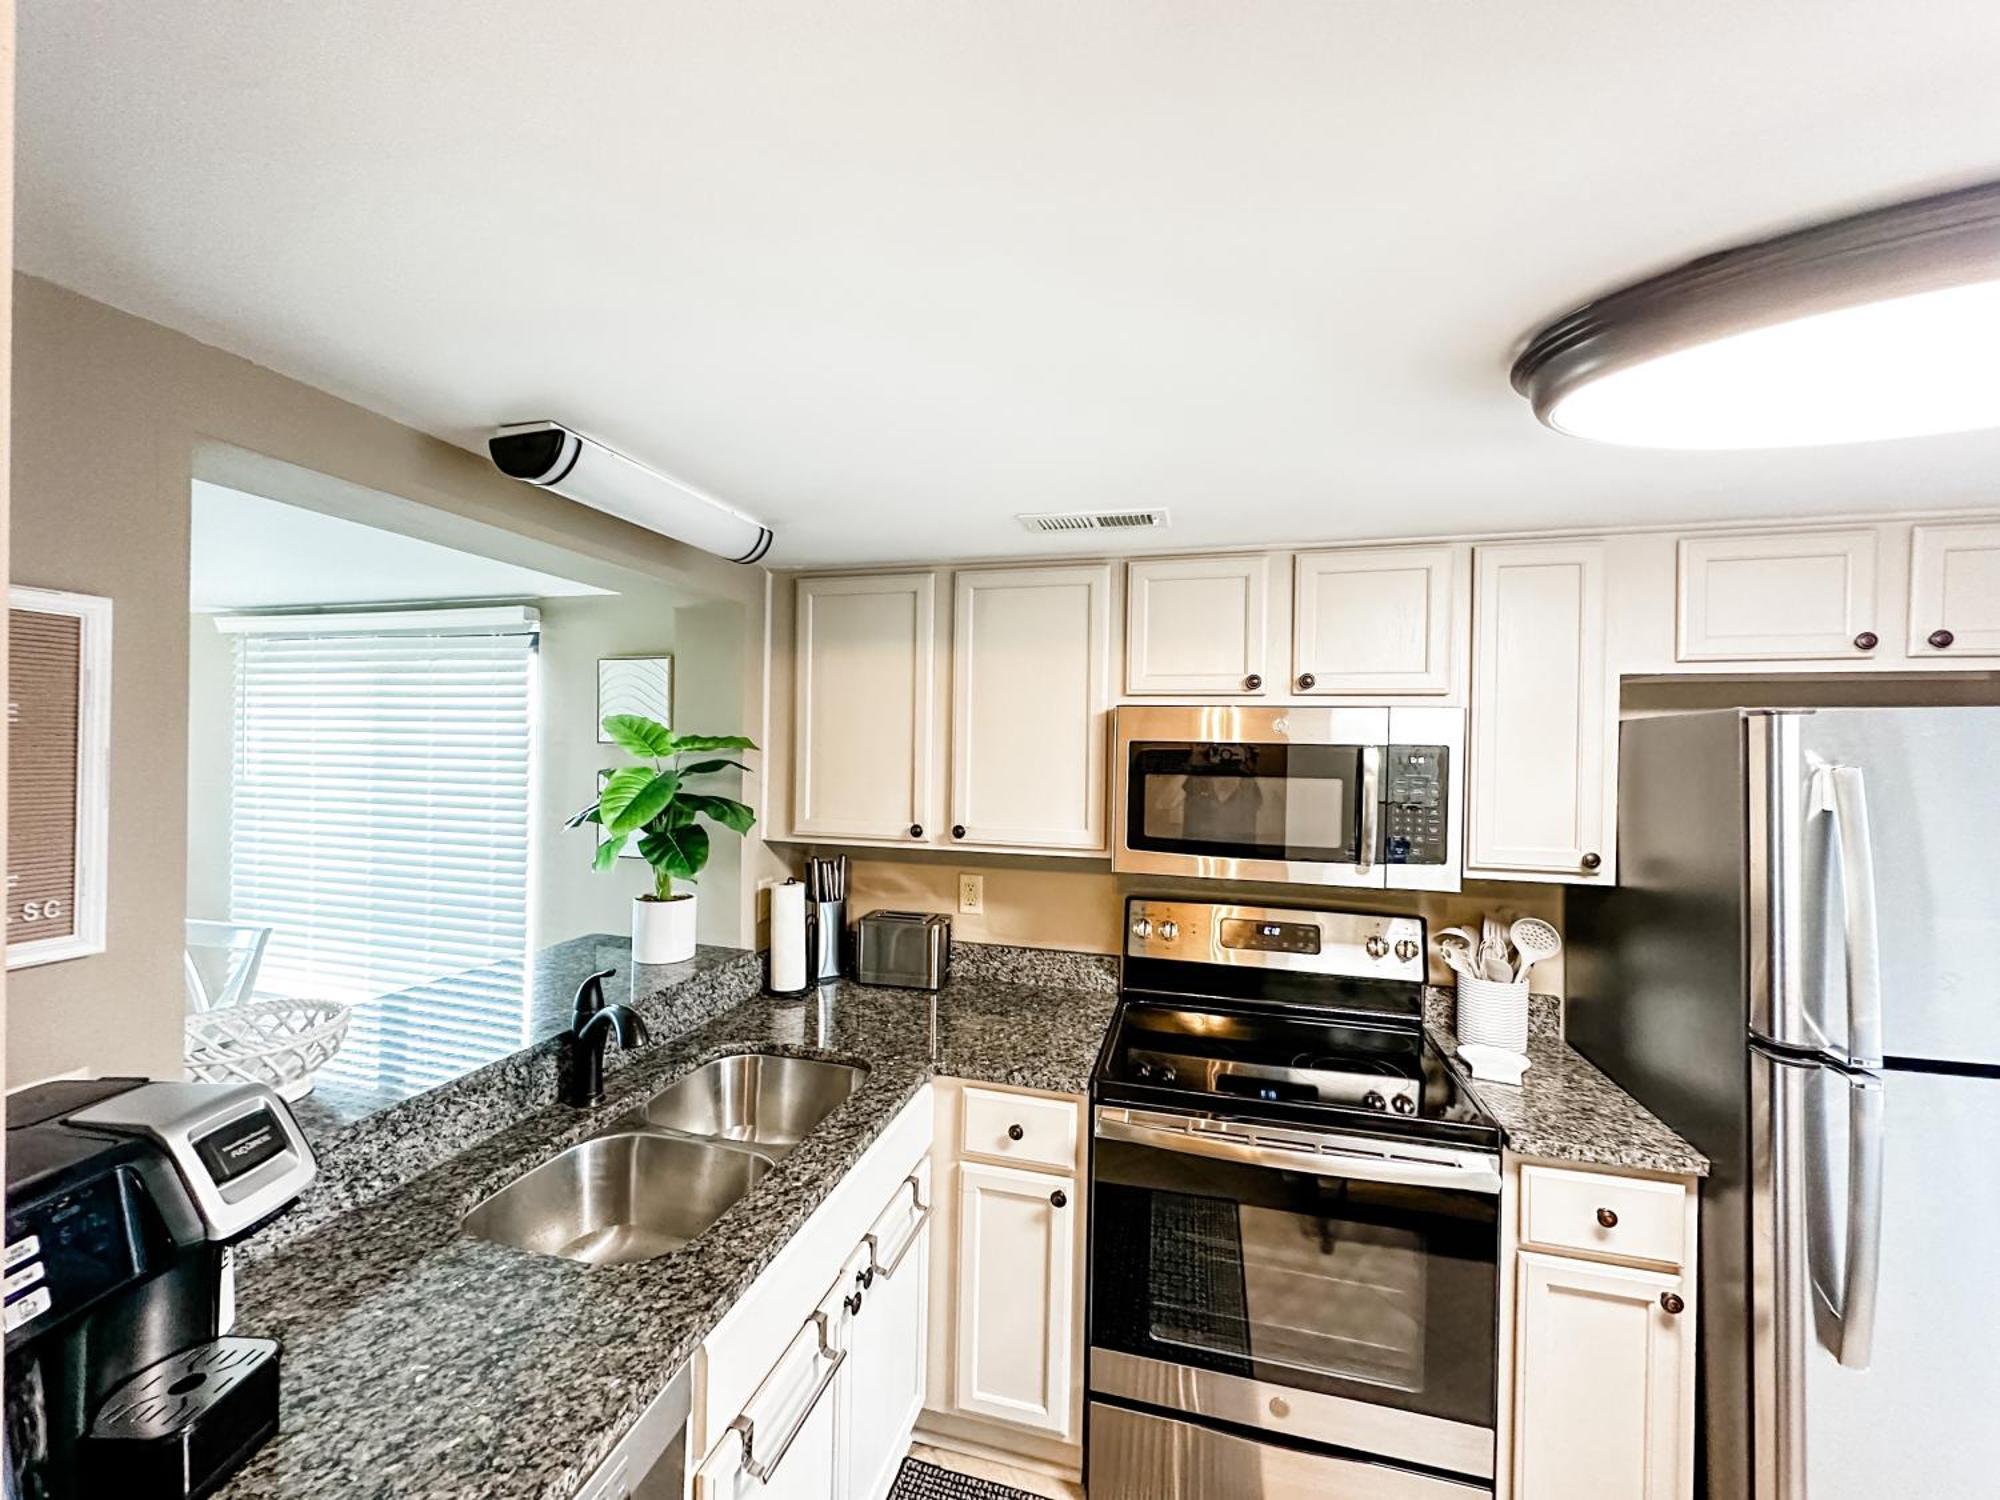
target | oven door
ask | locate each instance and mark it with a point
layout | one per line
(1251, 794)
(1338, 1290)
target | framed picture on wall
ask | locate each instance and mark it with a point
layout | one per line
(634, 685)
(59, 774)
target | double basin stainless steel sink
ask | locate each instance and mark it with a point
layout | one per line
(664, 1174)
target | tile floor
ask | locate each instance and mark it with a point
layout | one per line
(999, 1473)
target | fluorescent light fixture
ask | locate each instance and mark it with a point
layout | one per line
(1883, 325)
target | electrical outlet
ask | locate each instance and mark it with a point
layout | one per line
(971, 895)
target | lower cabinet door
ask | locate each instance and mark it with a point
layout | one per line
(1016, 1304)
(883, 1384)
(1604, 1389)
(790, 1448)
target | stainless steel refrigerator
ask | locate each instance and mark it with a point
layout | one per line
(1800, 970)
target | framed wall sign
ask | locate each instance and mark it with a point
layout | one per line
(58, 781)
(634, 685)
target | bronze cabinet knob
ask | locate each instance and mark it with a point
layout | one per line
(1253, 682)
(1868, 640)
(1940, 638)
(1607, 1218)
(1306, 680)
(1592, 860)
(958, 830)
(1014, 1132)
(1059, 1198)
(916, 830)
(1671, 1301)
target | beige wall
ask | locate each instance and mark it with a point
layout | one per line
(113, 416)
(1079, 905)
(211, 728)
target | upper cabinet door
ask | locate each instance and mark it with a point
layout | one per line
(1955, 591)
(1544, 719)
(1030, 691)
(1778, 596)
(866, 671)
(1199, 625)
(1371, 621)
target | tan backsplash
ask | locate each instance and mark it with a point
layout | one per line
(1079, 905)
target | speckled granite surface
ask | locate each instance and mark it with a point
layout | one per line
(420, 1364)
(1565, 1109)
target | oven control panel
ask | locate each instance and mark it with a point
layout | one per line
(1344, 944)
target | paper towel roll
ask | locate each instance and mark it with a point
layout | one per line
(788, 937)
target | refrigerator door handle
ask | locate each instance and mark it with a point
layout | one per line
(1846, 791)
(1846, 1316)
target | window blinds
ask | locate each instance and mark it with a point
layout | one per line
(379, 826)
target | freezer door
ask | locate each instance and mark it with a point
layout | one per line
(1895, 829)
(1876, 1371)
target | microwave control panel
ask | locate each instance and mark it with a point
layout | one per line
(1414, 779)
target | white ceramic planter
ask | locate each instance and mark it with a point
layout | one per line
(663, 931)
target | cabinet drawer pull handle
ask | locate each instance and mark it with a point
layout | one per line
(745, 1428)
(1868, 640)
(887, 1269)
(1253, 682)
(916, 830)
(1015, 1132)
(1940, 638)
(1671, 1301)
(853, 1304)
(1592, 860)
(1306, 680)
(958, 830)
(1607, 1218)
(1059, 1198)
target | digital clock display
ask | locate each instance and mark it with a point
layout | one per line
(1270, 937)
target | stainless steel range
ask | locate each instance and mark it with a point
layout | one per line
(1294, 1262)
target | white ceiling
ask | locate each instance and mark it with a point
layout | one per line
(885, 273)
(251, 553)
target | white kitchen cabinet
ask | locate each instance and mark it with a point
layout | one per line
(1376, 621)
(1544, 773)
(1017, 1248)
(864, 732)
(1954, 592)
(883, 1383)
(1200, 625)
(1604, 1382)
(1778, 596)
(792, 1451)
(1031, 673)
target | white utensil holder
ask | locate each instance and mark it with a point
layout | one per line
(1493, 1014)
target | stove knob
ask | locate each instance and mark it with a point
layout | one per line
(1142, 928)
(1405, 1105)
(1373, 1100)
(1377, 946)
(1170, 930)
(1406, 950)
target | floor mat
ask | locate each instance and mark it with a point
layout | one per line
(921, 1481)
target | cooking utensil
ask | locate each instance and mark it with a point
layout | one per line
(1535, 941)
(1454, 944)
(1494, 964)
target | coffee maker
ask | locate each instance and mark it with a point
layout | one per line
(123, 1198)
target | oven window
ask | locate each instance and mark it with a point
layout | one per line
(1376, 1292)
(1280, 802)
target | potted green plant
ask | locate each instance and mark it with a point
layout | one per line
(652, 803)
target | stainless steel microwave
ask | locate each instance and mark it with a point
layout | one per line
(1357, 796)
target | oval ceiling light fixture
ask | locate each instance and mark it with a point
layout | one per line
(1882, 325)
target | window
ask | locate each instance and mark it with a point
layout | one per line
(379, 825)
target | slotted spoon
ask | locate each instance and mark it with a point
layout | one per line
(1536, 942)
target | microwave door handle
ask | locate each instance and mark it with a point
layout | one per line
(1371, 809)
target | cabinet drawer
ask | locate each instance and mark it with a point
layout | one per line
(1625, 1217)
(1020, 1128)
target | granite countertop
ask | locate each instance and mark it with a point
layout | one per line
(1565, 1109)
(420, 1364)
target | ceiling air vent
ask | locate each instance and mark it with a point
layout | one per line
(1095, 520)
